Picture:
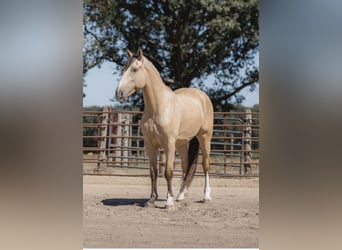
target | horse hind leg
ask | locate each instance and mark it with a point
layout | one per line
(183, 153)
(204, 140)
(189, 167)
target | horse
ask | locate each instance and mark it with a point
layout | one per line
(179, 120)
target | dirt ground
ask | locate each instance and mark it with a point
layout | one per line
(114, 216)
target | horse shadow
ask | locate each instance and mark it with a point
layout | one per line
(115, 202)
(124, 202)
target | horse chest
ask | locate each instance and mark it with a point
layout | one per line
(152, 132)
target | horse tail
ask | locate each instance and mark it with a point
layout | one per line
(192, 156)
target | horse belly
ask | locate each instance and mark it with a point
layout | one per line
(190, 124)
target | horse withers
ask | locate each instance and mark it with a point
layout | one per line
(181, 119)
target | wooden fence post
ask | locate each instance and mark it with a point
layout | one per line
(123, 142)
(103, 132)
(247, 141)
(116, 131)
(125, 132)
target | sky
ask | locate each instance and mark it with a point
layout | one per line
(101, 84)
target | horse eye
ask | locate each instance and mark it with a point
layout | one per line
(135, 70)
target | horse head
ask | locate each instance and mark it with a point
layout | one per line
(133, 76)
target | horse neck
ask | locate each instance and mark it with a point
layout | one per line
(156, 94)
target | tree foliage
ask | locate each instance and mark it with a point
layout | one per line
(187, 40)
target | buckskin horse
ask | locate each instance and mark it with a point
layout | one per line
(181, 119)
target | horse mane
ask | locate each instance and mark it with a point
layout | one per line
(153, 67)
(150, 64)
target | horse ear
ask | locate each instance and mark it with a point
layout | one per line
(129, 53)
(140, 53)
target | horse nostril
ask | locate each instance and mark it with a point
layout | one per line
(119, 95)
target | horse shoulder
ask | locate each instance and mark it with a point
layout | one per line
(150, 131)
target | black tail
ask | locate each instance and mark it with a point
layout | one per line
(192, 156)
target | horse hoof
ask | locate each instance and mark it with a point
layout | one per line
(180, 199)
(206, 200)
(149, 204)
(248, 170)
(170, 207)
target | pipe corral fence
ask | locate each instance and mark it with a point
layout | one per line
(113, 144)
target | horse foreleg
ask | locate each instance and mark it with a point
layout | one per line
(152, 154)
(170, 154)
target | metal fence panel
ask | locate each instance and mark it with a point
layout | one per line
(113, 139)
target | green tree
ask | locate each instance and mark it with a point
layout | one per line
(187, 40)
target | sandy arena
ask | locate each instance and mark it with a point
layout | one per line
(114, 216)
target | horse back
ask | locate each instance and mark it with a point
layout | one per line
(195, 98)
(197, 110)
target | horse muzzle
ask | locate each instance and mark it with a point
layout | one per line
(122, 96)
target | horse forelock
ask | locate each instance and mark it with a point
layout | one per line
(129, 62)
